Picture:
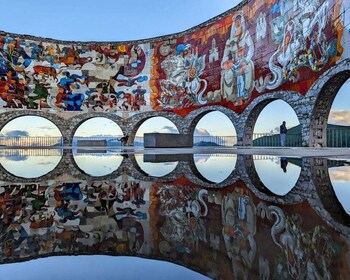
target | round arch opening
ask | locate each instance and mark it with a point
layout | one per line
(267, 126)
(30, 131)
(338, 124)
(98, 129)
(215, 129)
(154, 125)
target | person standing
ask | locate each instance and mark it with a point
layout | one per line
(283, 133)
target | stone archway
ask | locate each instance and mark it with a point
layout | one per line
(323, 104)
(251, 113)
(75, 122)
(195, 116)
(135, 122)
(59, 122)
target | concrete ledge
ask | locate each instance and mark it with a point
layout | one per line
(167, 140)
(166, 157)
(91, 143)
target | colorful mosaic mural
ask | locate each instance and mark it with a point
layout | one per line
(261, 47)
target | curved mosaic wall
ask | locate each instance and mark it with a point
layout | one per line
(256, 48)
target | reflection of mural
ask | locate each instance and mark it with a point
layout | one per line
(263, 46)
(239, 228)
(43, 219)
(184, 211)
(239, 242)
(223, 233)
(305, 255)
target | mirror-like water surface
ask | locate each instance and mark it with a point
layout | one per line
(278, 174)
(224, 216)
(98, 164)
(26, 164)
(215, 168)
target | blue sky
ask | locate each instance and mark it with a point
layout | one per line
(107, 20)
(115, 20)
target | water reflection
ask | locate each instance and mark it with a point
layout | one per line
(155, 169)
(98, 164)
(26, 164)
(225, 232)
(340, 178)
(278, 174)
(98, 267)
(215, 168)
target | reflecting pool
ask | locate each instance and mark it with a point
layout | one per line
(103, 214)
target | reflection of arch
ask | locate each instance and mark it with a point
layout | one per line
(95, 171)
(260, 190)
(224, 168)
(327, 205)
(128, 167)
(323, 103)
(254, 109)
(6, 176)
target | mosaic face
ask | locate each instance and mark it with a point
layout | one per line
(263, 47)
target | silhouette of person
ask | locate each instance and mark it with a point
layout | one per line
(284, 163)
(283, 133)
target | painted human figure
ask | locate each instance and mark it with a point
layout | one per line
(213, 52)
(238, 68)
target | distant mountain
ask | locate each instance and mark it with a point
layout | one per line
(204, 143)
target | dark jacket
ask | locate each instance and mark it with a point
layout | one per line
(283, 129)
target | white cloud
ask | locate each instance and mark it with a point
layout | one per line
(340, 174)
(201, 132)
(339, 117)
(17, 133)
(170, 129)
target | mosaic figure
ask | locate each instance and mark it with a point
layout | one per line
(183, 85)
(213, 52)
(261, 27)
(299, 33)
(238, 68)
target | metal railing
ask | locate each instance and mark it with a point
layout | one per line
(335, 138)
(31, 141)
(273, 140)
(226, 141)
